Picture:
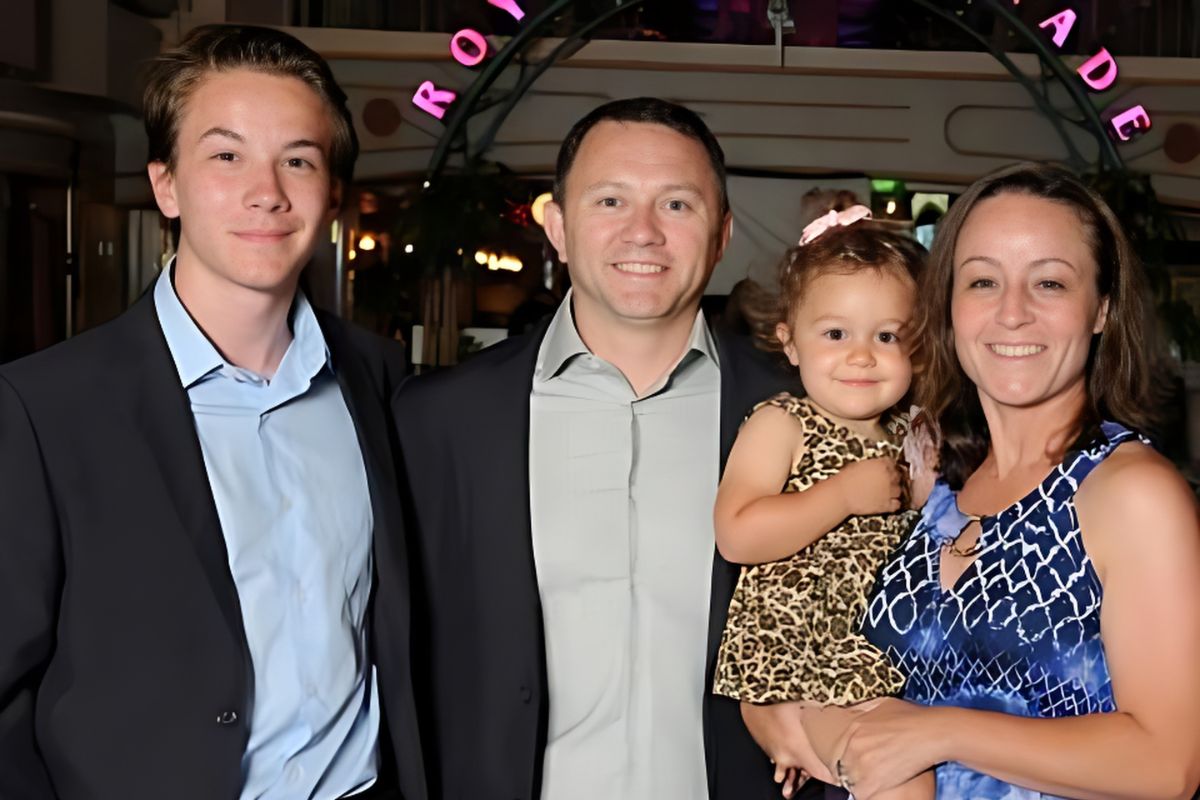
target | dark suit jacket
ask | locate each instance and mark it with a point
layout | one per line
(464, 441)
(124, 667)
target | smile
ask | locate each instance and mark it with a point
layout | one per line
(859, 383)
(1016, 350)
(262, 236)
(639, 267)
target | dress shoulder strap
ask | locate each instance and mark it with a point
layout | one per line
(1079, 463)
(789, 403)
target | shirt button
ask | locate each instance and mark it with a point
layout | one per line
(227, 718)
(526, 694)
(295, 773)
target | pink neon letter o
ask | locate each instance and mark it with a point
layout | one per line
(462, 56)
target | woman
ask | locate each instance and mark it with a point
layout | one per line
(1047, 607)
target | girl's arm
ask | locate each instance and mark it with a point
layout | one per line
(1138, 520)
(756, 524)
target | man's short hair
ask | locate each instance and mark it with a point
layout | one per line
(176, 73)
(650, 110)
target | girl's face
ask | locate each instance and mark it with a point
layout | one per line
(1024, 302)
(848, 338)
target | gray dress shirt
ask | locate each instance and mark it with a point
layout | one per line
(621, 493)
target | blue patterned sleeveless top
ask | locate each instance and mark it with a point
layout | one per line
(1019, 632)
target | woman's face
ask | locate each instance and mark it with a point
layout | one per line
(1024, 302)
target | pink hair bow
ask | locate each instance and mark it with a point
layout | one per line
(832, 220)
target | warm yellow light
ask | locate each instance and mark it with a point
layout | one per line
(538, 209)
(367, 242)
(891, 207)
(459, 251)
(506, 263)
(408, 248)
(481, 257)
(333, 232)
(353, 254)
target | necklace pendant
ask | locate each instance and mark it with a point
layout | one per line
(952, 548)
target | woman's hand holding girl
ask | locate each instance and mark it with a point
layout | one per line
(889, 742)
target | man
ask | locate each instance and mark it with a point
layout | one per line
(562, 486)
(195, 497)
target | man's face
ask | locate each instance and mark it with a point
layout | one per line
(640, 226)
(251, 185)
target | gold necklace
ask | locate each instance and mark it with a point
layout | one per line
(974, 550)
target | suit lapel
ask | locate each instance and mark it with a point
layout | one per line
(164, 415)
(501, 477)
(724, 574)
(747, 378)
(390, 615)
(367, 411)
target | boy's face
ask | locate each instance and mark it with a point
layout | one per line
(252, 185)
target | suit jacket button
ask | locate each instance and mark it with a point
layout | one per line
(526, 694)
(227, 718)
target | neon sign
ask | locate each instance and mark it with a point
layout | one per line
(1099, 73)
(432, 100)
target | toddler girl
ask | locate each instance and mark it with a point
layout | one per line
(811, 501)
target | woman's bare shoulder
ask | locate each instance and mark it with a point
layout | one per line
(1133, 470)
(1136, 490)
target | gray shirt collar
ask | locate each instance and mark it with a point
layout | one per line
(563, 343)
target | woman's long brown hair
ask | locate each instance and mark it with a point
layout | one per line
(1120, 383)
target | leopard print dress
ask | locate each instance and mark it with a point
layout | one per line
(792, 630)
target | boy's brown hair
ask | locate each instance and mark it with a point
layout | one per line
(176, 73)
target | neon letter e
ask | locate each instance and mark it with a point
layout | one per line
(1130, 120)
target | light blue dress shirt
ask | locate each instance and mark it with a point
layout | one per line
(291, 492)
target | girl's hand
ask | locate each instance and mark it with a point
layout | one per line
(790, 781)
(779, 731)
(871, 486)
(888, 743)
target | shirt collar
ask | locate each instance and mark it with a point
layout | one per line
(195, 356)
(701, 340)
(562, 342)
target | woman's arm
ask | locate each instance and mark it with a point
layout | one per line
(1139, 523)
(756, 524)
